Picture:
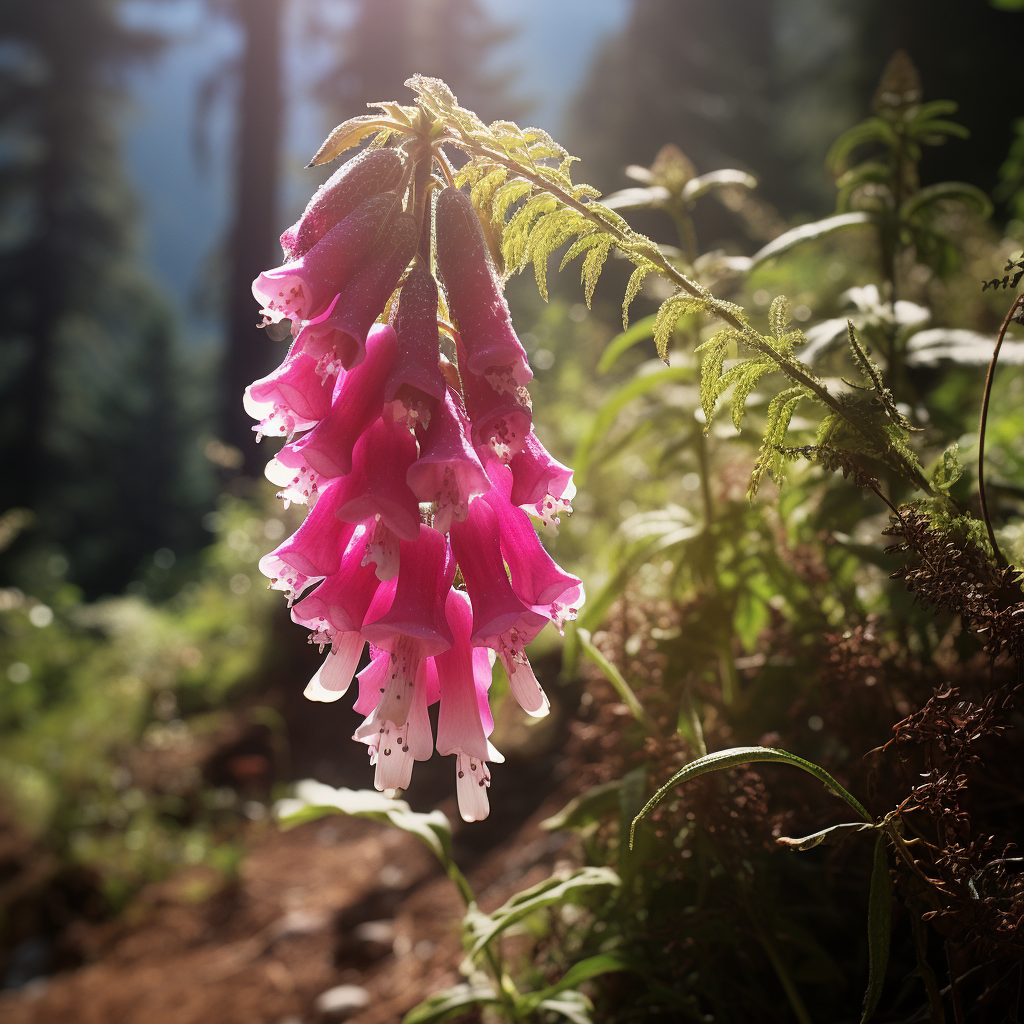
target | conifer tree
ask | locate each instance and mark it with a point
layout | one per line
(87, 407)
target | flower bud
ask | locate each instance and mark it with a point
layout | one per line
(474, 295)
(371, 172)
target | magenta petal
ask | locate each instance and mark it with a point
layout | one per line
(474, 294)
(368, 174)
(538, 478)
(418, 610)
(475, 544)
(315, 549)
(358, 401)
(459, 724)
(340, 603)
(499, 420)
(293, 397)
(448, 470)
(305, 287)
(341, 336)
(536, 578)
(377, 484)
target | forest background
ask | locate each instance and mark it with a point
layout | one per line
(150, 153)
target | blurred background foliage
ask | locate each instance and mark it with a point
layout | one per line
(148, 682)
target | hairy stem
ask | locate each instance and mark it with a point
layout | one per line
(982, 425)
(791, 368)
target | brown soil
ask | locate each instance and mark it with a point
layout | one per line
(262, 949)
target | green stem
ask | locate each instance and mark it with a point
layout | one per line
(982, 425)
(652, 253)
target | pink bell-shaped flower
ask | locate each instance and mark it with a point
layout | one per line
(541, 484)
(448, 470)
(366, 175)
(314, 550)
(500, 619)
(358, 400)
(464, 718)
(294, 397)
(418, 610)
(536, 578)
(416, 379)
(500, 422)
(474, 295)
(305, 287)
(413, 629)
(377, 484)
(340, 334)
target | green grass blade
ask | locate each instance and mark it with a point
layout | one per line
(747, 755)
(879, 928)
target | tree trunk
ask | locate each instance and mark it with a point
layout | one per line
(249, 353)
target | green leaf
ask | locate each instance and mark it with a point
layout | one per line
(640, 331)
(817, 838)
(574, 1006)
(879, 928)
(446, 1004)
(584, 970)
(747, 755)
(614, 404)
(636, 281)
(552, 890)
(697, 187)
(926, 199)
(615, 677)
(948, 470)
(315, 800)
(586, 808)
(637, 198)
(348, 134)
(808, 233)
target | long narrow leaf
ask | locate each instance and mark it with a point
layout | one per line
(591, 967)
(638, 332)
(544, 894)
(879, 928)
(807, 233)
(615, 677)
(746, 755)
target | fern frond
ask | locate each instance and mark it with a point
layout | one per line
(593, 264)
(771, 457)
(713, 353)
(551, 232)
(636, 280)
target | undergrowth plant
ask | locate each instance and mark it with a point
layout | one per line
(760, 610)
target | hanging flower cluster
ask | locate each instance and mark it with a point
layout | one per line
(421, 472)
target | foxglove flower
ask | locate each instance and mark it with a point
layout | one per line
(414, 469)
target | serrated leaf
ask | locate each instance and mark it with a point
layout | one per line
(446, 1004)
(879, 928)
(593, 264)
(770, 460)
(556, 889)
(507, 195)
(668, 316)
(347, 135)
(778, 315)
(736, 756)
(636, 281)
